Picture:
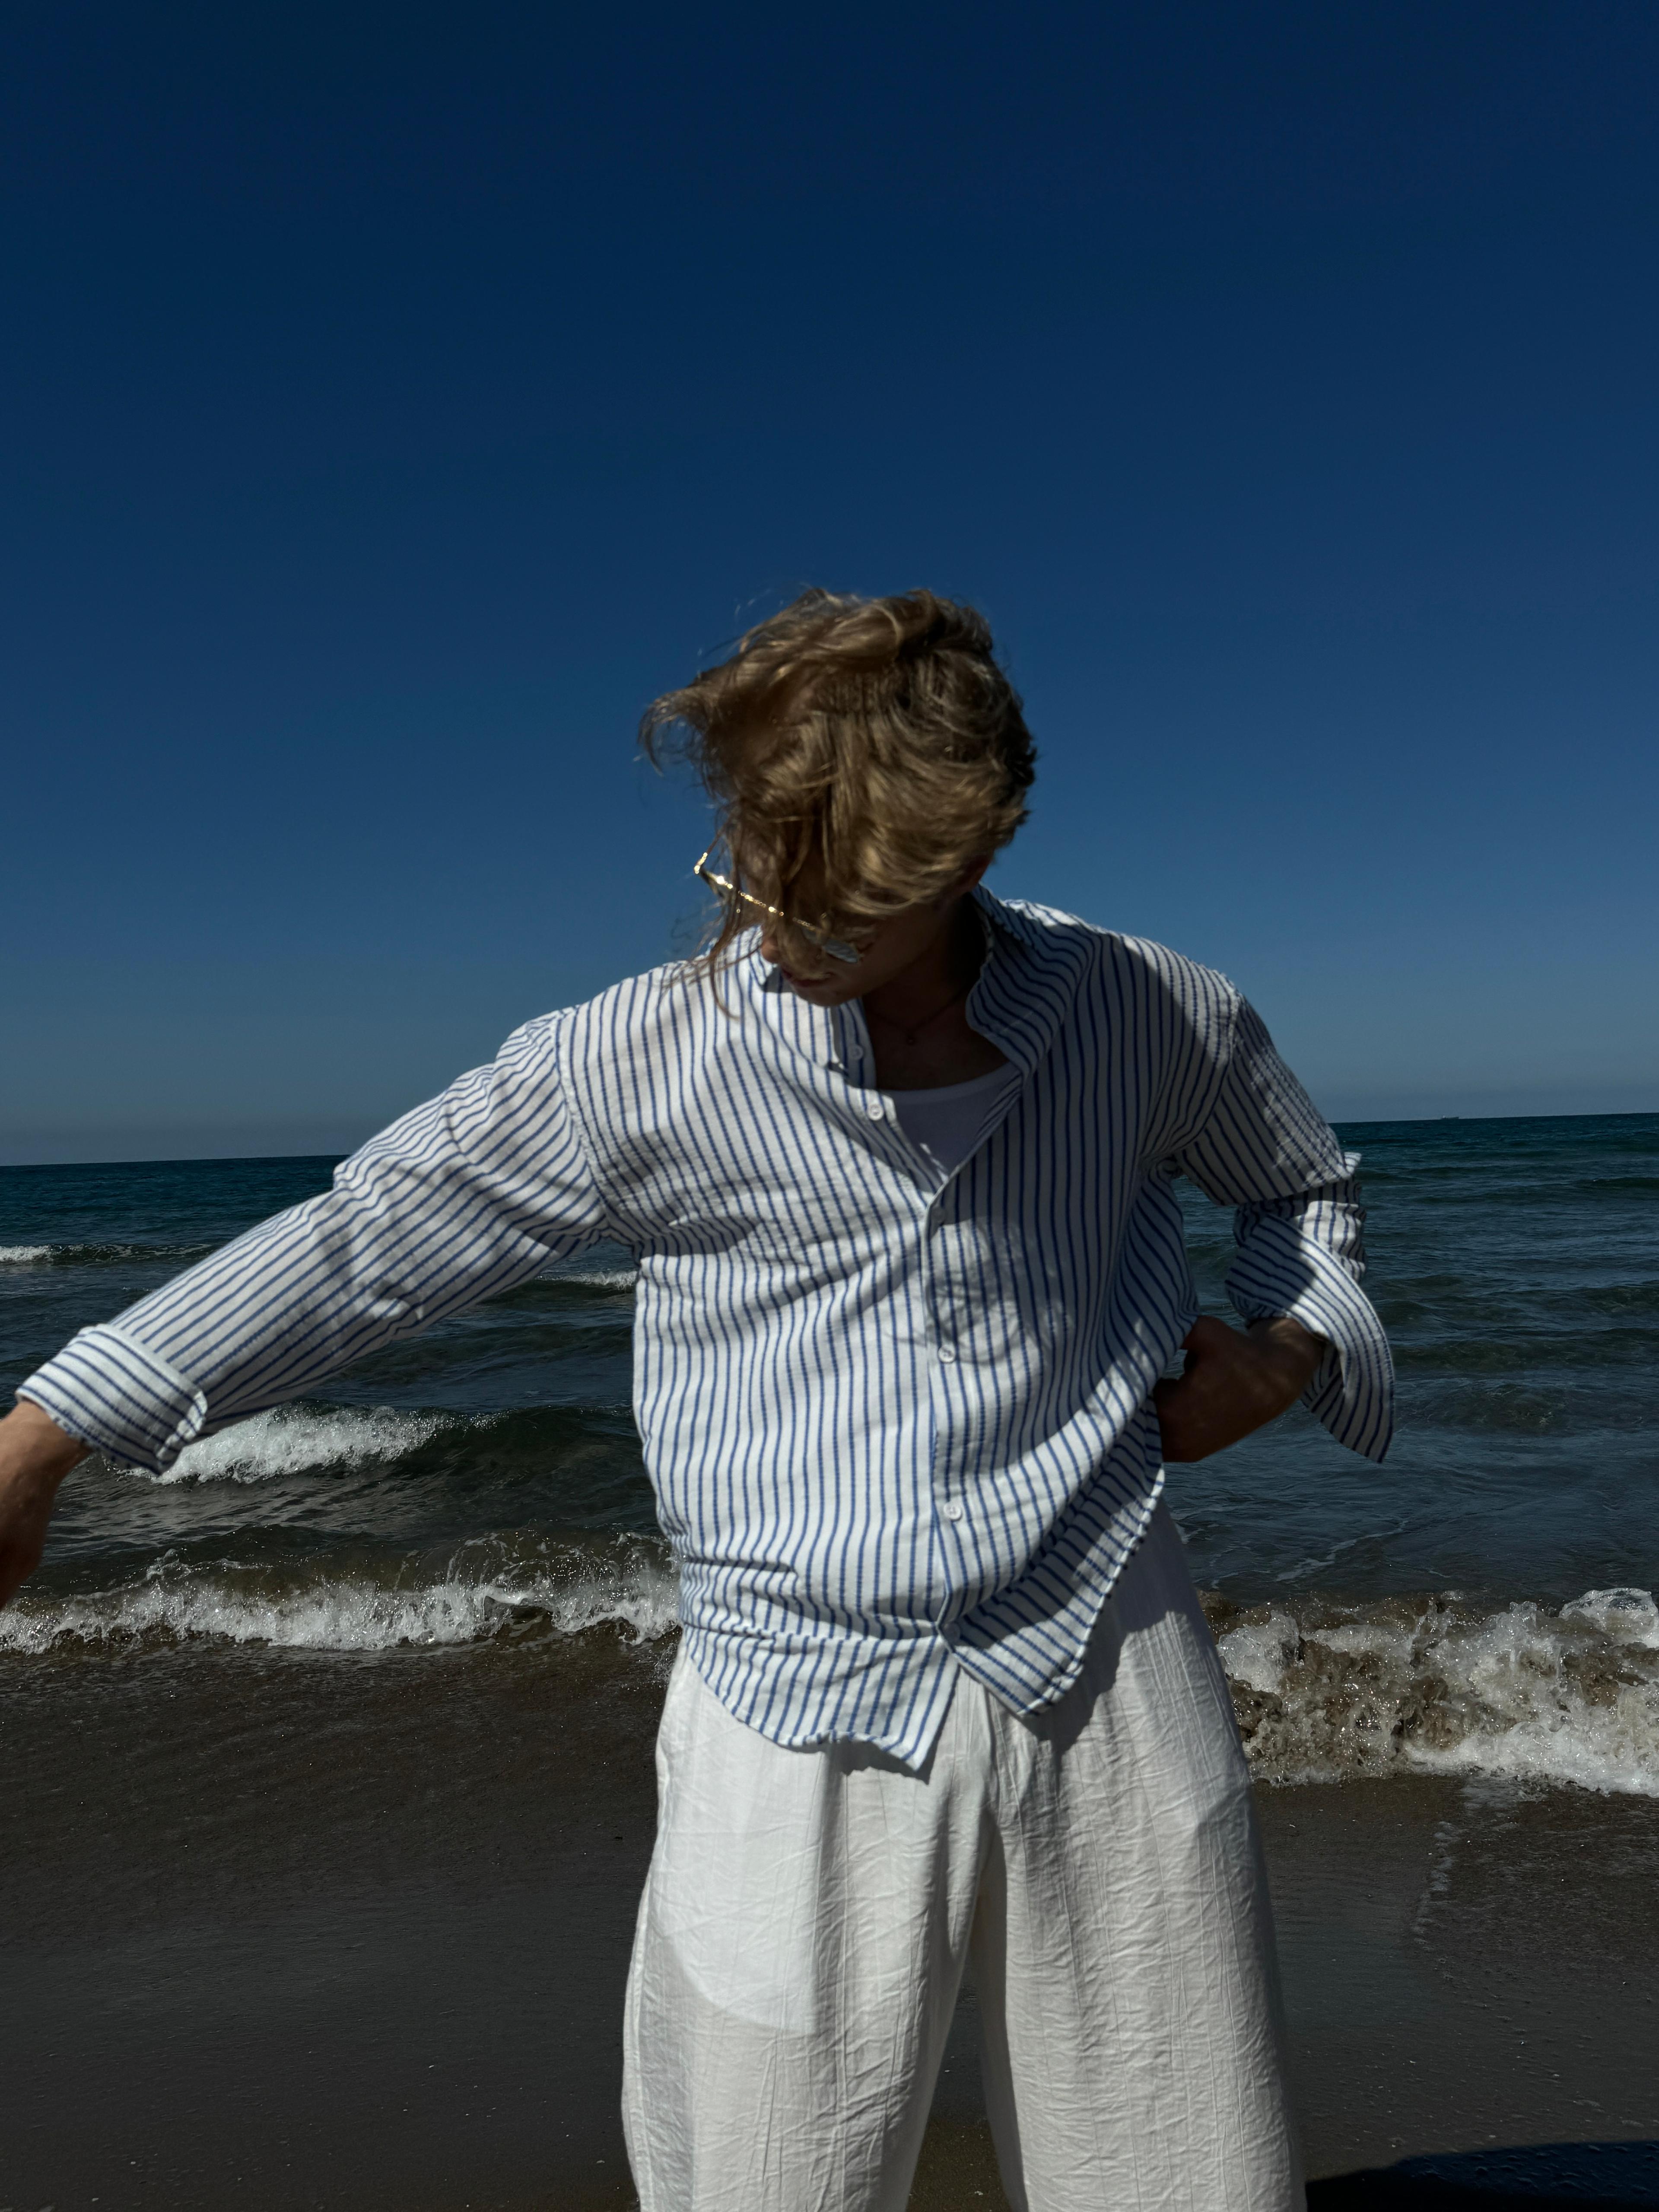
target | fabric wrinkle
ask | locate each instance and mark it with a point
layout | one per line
(1093, 1871)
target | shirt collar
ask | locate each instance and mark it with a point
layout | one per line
(1029, 979)
(1019, 1000)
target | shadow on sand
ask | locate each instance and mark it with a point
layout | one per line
(1588, 2176)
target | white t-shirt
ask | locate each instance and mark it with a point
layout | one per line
(943, 1123)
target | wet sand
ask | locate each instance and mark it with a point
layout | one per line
(284, 1934)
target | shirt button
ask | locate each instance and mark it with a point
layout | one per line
(947, 1353)
(953, 1512)
(876, 1111)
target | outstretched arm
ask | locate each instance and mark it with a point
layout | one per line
(471, 1194)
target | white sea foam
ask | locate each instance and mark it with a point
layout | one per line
(600, 1278)
(20, 1255)
(1437, 1684)
(295, 1438)
(632, 1588)
(1625, 1616)
(1256, 1653)
(1400, 1686)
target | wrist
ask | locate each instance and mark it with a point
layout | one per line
(34, 1448)
(1294, 1354)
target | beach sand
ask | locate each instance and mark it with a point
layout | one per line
(1467, 1966)
(283, 1934)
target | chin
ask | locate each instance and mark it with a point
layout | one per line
(824, 990)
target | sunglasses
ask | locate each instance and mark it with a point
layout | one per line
(837, 947)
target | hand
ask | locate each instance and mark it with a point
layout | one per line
(1235, 1381)
(35, 1454)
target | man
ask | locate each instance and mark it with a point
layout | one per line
(896, 1160)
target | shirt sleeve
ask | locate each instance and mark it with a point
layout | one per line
(1265, 1149)
(467, 1195)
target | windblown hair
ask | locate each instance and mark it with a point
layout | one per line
(860, 754)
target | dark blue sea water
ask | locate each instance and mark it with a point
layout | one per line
(1482, 1599)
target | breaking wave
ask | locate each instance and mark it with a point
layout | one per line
(294, 1438)
(567, 1590)
(94, 1255)
(1438, 1685)
(1420, 1684)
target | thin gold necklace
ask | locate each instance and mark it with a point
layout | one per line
(912, 1030)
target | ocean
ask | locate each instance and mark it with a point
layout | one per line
(404, 1640)
(1483, 1599)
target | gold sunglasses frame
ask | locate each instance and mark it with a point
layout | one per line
(837, 947)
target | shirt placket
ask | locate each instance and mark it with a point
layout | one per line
(953, 1551)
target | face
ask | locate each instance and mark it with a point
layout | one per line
(892, 947)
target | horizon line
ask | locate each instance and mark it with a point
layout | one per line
(1338, 1121)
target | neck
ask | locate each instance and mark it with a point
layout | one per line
(946, 965)
(919, 1023)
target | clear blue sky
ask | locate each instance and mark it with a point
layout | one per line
(395, 399)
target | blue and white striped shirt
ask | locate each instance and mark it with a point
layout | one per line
(896, 1426)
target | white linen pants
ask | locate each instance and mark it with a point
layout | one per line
(809, 1915)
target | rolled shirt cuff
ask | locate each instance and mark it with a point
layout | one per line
(1281, 1271)
(112, 1392)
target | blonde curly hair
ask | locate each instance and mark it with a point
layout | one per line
(863, 751)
